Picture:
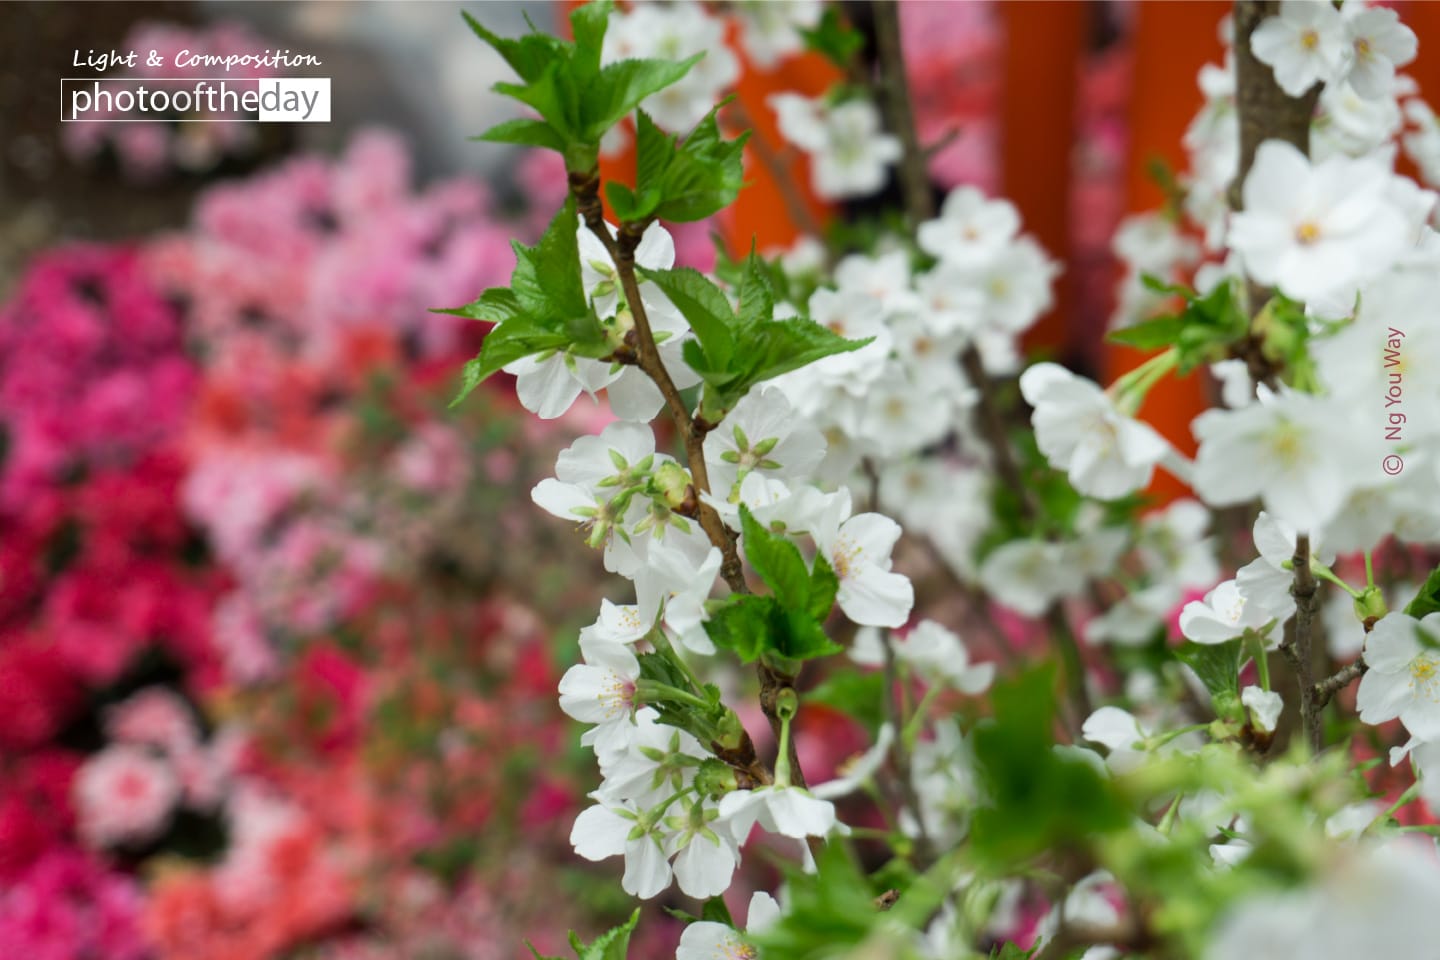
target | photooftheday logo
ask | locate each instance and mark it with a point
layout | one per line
(185, 99)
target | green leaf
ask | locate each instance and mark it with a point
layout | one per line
(801, 638)
(587, 26)
(823, 587)
(704, 307)
(776, 347)
(547, 277)
(715, 911)
(538, 955)
(1427, 601)
(524, 132)
(613, 943)
(833, 39)
(830, 912)
(859, 695)
(564, 82)
(551, 95)
(620, 87)
(1150, 334)
(778, 562)
(1024, 778)
(529, 56)
(757, 294)
(701, 177)
(654, 150)
(752, 626)
(741, 625)
(1216, 664)
(495, 305)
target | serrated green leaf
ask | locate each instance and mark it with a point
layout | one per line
(538, 955)
(495, 305)
(1024, 776)
(619, 87)
(553, 96)
(613, 944)
(1155, 285)
(626, 204)
(752, 626)
(779, 346)
(524, 132)
(700, 177)
(547, 279)
(778, 562)
(1216, 664)
(1427, 601)
(470, 377)
(528, 56)
(823, 587)
(757, 298)
(741, 625)
(587, 26)
(803, 639)
(654, 149)
(704, 307)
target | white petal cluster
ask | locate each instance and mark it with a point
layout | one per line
(675, 31)
(548, 385)
(849, 154)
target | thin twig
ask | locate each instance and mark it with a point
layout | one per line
(775, 164)
(622, 253)
(1327, 688)
(900, 756)
(914, 179)
(920, 207)
(621, 248)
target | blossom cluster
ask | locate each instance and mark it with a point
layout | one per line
(1292, 277)
(217, 472)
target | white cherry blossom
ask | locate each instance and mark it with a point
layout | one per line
(1104, 453)
(858, 550)
(1404, 676)
(1305, 44)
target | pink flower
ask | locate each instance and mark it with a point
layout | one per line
(67, 906)
(38, 694)
(154, 717)
(124, 795)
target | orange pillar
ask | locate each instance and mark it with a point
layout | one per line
(1172, 41)
(1041, 55)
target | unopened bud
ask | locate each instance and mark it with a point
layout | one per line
(714, 779)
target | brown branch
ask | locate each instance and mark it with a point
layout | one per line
(1327, 688)
(1296, 647)
(775, 164)
(992, 428)
(919, 207)
(914, 178)
(1265, 112)
(586, 190)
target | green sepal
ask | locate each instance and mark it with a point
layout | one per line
(1216, 664)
